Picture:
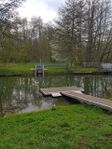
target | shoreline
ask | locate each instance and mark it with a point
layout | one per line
(64, 73)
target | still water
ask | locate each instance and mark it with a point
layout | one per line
(21, 94)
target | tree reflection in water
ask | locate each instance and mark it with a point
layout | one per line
(21, 94)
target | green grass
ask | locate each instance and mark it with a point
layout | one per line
(12, 69)
(84, 70)
(71, 127)
(55, 70)
(25, 69)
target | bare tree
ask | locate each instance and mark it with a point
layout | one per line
(83, 31)
(69, 29)
(7, 14)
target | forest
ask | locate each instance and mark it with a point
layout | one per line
(82, 33)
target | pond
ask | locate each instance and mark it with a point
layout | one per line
(21, 94)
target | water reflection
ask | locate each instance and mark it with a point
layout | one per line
(21, 94)
(15, 93)
(100, 86)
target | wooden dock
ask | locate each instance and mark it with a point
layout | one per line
(75, 94)
(56, 91)
(90, 100)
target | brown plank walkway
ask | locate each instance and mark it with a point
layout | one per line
(90, 100)
(55, 91)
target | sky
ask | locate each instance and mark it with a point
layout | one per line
(47, 9)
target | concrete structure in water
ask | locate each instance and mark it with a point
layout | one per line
(39, 69)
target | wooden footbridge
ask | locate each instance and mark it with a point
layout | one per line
(56, 91)
(75, 94)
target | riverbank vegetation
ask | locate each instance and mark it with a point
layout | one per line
(76, 126)
(7, 69)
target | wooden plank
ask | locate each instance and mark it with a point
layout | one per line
(49, 91)
(90, 100)
(56, 94)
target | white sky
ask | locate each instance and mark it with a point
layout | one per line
(47, 9)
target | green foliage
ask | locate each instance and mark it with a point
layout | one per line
(71, 127)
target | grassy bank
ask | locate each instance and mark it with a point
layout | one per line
(72, 127)
(16, 69)
(25, 69)
(84, 70)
